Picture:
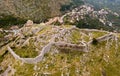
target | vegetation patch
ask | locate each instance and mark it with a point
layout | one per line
(26, 52)
(7, 21)
(94, 41)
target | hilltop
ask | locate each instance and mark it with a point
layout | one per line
(40, 49)
(58, 38)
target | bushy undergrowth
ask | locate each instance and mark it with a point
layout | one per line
(9, 20)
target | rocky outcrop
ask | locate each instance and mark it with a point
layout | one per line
(88, 11)
(86, 16)
(29, 23)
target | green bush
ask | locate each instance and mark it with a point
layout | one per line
(94, 41)
(73, 4)
(9, 20)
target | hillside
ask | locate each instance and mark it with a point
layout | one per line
(49, 50)
(71, 12)
(36, 10)
(114, 5)
(31, 9)
(59, 38)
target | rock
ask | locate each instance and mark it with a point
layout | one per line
(52, 20)
(9, 36)
(14, 28)
(0, 68)
(1, 29)
(29, 23)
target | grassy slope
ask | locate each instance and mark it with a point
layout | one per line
(100, 60)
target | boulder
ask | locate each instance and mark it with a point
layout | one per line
(29, 23)
(1, 29)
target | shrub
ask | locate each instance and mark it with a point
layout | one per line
(9, 20)
(94, 41)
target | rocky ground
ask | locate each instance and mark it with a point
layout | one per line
(50, 50)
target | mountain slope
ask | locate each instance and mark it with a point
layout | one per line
(31, 9)
(36, 10)
(111, 4)
(18, 12)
